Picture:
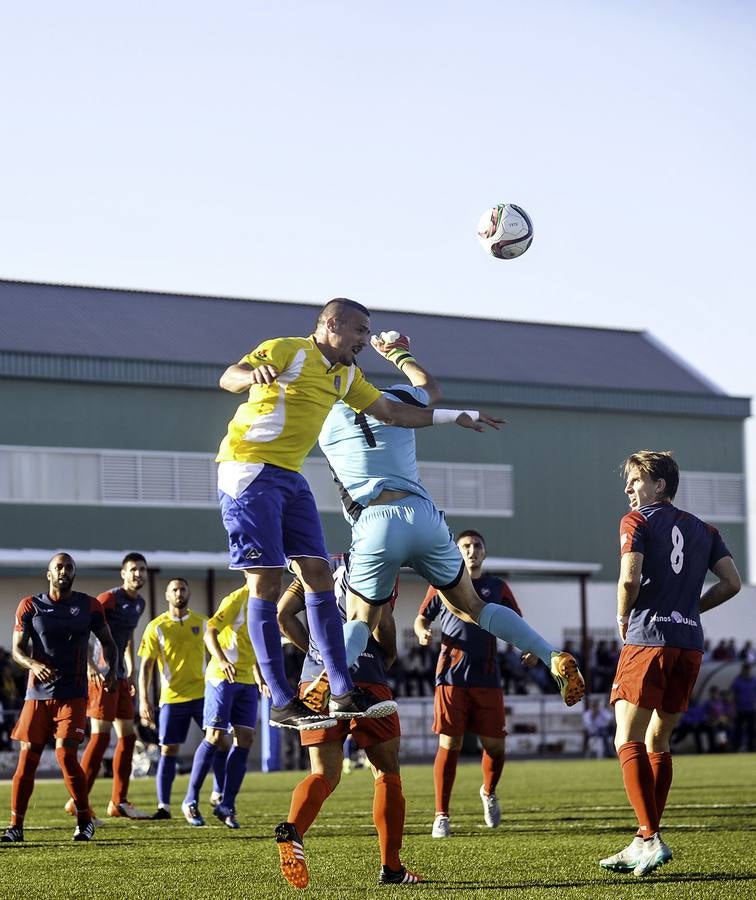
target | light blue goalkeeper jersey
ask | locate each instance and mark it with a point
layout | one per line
(366, 456)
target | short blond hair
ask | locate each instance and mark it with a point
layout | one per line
(657, 464)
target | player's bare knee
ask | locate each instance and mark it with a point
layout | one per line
(264, 583)
(244, 737)
(169, 749)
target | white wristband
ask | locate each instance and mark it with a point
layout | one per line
(449, 416)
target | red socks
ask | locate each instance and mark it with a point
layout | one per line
(661, 765)
(124, 753)
(92, 758)
(23, 785)
(492, 767)
(307, 799)
(388, 815)
(444, 773)
(638, 777)
(75, 781)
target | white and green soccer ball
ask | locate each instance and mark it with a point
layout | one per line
(505, 231)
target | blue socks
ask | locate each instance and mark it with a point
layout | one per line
(236, 769)
(219, 769)
(324, 619)
(356, 636)
(262, 622)
(507, 625)
(166, 772)
(203, 759)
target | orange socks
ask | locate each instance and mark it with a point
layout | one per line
(124, 753)
(661, 765)
(388, 815)
(306, 801)
(444, 773)
(91, 760)
(638, 777)
(23, 785)
(492, 767)
(75, 781)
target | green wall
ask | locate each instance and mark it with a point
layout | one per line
(567, 486)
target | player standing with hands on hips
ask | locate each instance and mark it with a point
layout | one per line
(665, 555)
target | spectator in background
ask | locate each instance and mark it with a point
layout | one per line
(717, 721)
(694, 722)
(513, 673)
(598, 724)
(719, 653)
(744, 695)
(747, 653)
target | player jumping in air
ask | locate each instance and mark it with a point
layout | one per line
(267, 507)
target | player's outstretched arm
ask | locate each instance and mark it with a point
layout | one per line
(727, 586)
(402, 415)
(395, 348)
(241, 376)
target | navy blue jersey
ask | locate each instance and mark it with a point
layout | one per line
(122, 612)
(468, 656)
(370, 664)
(678, 549)
(59, 632)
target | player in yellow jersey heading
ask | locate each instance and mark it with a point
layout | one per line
(174, 641)
(267, 506)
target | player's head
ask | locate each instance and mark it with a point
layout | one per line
(472, 546)
(133, 571)
(343, 330)
(651, 476)
(61, 571)
(177, 593)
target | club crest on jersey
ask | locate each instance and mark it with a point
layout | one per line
(75, 610)
(195, 629)
(261, 354)
(337, 382)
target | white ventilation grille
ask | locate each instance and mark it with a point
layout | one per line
(712, 496)
(69, 476)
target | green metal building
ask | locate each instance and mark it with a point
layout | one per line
(111, 415)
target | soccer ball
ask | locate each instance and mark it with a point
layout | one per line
(505, 231)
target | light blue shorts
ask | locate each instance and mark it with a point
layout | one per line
(228, 705)
(406, 532)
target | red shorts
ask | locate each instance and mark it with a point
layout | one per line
(111, 706)
(43, 720)
(656, 677)
(366, 732)
(476, 709)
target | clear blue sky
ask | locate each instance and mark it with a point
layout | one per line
(300, 149)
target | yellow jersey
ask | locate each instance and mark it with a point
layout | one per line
(230, 621)
(280, 422)
(178, 645)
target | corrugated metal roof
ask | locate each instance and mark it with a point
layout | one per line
(139, 325)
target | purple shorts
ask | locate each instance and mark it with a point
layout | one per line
(274, 519)
(175, 718)
(227, 705)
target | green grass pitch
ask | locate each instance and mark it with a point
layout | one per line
(558, 819)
